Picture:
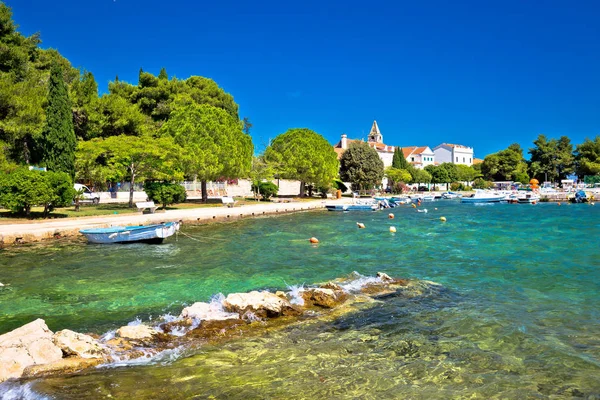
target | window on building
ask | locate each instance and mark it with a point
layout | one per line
(470, 160)
(456, 159)
(464, 159)
(412, 159)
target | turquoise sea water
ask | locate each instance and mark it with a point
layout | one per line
(518, 317)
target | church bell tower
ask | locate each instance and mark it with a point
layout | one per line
(375, 135)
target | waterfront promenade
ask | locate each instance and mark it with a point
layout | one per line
(35, 231)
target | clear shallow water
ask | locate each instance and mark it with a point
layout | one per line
(519, 316)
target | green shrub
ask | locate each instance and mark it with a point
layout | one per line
(23, 189)
(480, 183)
(456, 186)
(165, 193)
(266, 189)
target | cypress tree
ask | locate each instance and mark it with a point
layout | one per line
(58, 141)
(163, 74)
(399, 161)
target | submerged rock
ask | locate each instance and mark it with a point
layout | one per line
(136, 332)
(62, 366)
(78, 344)
(28, 345)
(262, 304)
(323, 297)
(207, 312)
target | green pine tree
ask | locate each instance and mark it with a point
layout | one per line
(399, 162)
(58, 141)
(163, 74)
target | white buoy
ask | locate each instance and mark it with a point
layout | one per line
(360, 225)
(393, 229)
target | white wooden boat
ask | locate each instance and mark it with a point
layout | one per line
(131, 234)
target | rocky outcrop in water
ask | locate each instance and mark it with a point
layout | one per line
(207, 312)
(136, 332)
(33, 350)
(28, 345)
(79, 345)
(262, 304)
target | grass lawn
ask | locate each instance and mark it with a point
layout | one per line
(89, 210)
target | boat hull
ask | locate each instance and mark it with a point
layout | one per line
(352, 207)
(481, 200)
(152, 234)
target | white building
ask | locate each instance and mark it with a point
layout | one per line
(454, 153)
(375, 140)
(419, 157)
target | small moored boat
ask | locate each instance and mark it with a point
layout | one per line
(131, 234)
(352, 207)
(483, 196)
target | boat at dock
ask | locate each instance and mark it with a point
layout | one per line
(528, 198)
(484, 196)
(352, 207)
(154, 234)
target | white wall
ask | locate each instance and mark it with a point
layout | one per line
(443, 154)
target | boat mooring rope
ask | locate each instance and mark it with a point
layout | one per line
(197, 238)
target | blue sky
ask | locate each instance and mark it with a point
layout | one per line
(479, 73)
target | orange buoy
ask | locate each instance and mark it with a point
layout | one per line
(391, 216)
(414, 206)
(314, 240)
(360, 225)
(443, 219)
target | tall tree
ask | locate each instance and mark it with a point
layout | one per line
(438, 174)
(587, 155)
(247, 125)
(163, 74)
(505, 165)
(399, 161)
(133, 158)
(551, 159)
(360, 164)
(58, 142)
(304, 155)
(213, 143)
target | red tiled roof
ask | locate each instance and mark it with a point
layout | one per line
(477, 161)
(407, 151)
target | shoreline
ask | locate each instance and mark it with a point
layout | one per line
(35, 231)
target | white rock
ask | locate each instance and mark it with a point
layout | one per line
(384, 277)
(256, 301)
(207, 312)
(136, 332)
(28, 345)
(78, 344)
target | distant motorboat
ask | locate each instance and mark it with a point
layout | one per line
(528, 198)
(451, 195)
(154, 234)
(352, 207)
(484, 196)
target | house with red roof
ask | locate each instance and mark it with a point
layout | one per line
(419, 156)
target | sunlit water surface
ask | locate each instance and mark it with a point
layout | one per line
(518, 317)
